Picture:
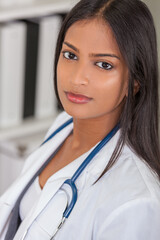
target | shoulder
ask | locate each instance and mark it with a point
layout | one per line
(147, 177)
(138, 173)
(129, 193)
(129, 179)
(136, 219)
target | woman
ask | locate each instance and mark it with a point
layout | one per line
(106, 79)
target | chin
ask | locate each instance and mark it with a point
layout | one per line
(76, 112)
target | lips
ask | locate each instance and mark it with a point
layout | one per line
(77, 98)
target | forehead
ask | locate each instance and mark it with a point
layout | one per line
(92, 34)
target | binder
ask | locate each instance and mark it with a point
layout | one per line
(30, 68)
(45, 102)
(12, 49)
(6, 3)
(23, 2)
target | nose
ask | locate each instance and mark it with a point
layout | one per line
(80, 75)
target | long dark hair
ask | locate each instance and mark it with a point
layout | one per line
(133, 28)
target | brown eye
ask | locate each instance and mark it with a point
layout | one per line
(69, 55)
(104, 65)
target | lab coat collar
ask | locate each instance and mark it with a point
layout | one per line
(36, 159)
(94, 168)
(86, 179)
(53, 185)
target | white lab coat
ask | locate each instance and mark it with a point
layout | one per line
(123, 205)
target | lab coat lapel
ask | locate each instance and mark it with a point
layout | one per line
(38, 158)
(87, 178)
(50, 189)
(47, 194)
(8, 200)
(100, 161)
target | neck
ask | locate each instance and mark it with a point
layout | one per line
(88, 132)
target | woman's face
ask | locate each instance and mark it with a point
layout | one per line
(92, 77)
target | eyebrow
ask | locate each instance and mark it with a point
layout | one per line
(93, 54)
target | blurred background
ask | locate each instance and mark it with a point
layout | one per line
(28, 34)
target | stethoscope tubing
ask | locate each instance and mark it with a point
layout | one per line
(58, 130)
(94, 152)
(71, 182)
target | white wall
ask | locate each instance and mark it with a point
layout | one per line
(154, 6)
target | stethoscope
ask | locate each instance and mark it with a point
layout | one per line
(71, 181)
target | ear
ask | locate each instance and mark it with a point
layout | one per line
(135, 90)
(136, 87)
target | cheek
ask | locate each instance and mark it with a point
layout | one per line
(61, 75)
(112, 90)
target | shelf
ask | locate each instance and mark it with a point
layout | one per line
(29, 127)
(36, 9)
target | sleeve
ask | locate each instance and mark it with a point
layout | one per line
(135, 220)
